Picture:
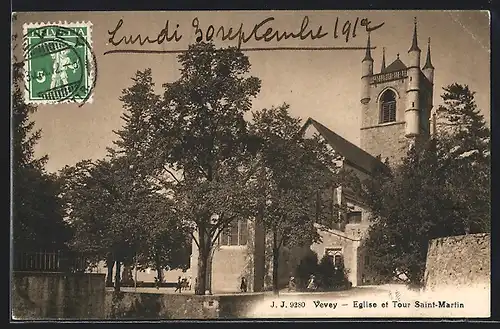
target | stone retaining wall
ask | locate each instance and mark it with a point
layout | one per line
(130, 305)
(45, 295)
(458, 261)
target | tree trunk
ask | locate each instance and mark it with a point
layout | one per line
(275, 263)
(159, 270)
(110, 263)
(117, 276)
(204, 251)
(208, 285)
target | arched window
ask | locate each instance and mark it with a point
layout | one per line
(388, 107)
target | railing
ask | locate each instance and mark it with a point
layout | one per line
(384, 77)
(50, 262)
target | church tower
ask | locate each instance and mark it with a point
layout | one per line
(396, 103)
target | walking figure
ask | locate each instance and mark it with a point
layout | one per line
(311, 285)
(291, 284)
(243, 286)
(179, 285)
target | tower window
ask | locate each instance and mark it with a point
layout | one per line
(388, 107)
(354, 217)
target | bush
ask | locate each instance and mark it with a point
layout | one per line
(332, 277)
(308, 265)
(327, 276)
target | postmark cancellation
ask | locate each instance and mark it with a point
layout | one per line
(59, 65)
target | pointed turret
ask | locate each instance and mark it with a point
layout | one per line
(412, 112)
(414, 52)
(414, 44)
(366, 73)
(368, 54)
(428, 68)
(428, 63)
(382, 68)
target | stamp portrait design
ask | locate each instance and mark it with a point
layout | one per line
(59, 63)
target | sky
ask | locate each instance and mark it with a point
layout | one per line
(322, 84)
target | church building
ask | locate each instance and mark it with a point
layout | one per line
(395, 113)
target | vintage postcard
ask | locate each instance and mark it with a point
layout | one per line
(250, 164)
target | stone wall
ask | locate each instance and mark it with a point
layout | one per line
(229, 265)
(57, 295)
(387, 140)
(127, 305)
(458, 261)
(371, 117)
(238, 306)
(43, 296)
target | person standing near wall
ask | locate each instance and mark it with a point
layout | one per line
(291, 284)
(179, 285)
(243, 286)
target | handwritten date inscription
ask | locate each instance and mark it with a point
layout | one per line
(262, 31)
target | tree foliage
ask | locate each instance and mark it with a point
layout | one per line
(37, 210)
(120, 211)
(106, 206)
(193, 141)
(167, 243)
(441, 190)
(293, 170)
(308, 265)
(331, 276)
(464, 145)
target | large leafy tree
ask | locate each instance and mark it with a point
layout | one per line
(109, 209)
(440, 191)
(166, 242)
(411, 207)
(464, 145)
(166, 246)
(197, 143)
(293, 170)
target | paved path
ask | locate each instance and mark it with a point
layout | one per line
(356, 291)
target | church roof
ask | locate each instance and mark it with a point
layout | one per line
(349, 151)
(397, 65)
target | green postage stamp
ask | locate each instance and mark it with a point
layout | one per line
(59, 65)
